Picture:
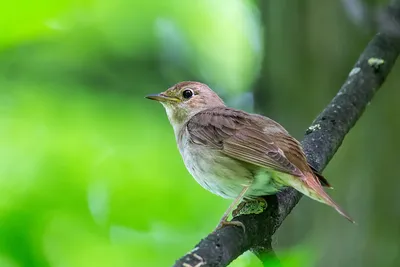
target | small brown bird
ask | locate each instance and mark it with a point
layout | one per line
(235, 154)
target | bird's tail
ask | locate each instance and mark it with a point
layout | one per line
(316, 191)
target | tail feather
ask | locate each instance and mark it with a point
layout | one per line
(321, 178)
(315, 191)
(328, 200)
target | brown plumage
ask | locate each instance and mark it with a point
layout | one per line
(236, 154)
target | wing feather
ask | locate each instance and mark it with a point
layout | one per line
(240, 136)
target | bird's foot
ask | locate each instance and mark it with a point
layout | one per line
(224, 223)
(254, 206)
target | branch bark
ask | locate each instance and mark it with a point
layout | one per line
(320, 143)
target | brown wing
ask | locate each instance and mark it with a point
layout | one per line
(253, 139)
(293, 151)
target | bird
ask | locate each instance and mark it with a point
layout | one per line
(235, 154)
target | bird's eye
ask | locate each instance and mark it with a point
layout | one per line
(187, 93)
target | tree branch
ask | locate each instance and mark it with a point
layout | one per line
(321, 142)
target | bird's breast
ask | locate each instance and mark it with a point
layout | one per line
(213, 170)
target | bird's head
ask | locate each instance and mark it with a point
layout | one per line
(185, 99)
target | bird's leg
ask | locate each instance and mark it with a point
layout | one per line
(223, 222)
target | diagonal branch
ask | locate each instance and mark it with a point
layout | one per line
(321, 142)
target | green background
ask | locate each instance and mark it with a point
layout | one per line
(89, 170)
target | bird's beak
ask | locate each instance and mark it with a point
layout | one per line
(162, 98)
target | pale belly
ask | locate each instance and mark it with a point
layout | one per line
(225, 176)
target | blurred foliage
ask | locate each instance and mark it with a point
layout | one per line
(89, 170)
